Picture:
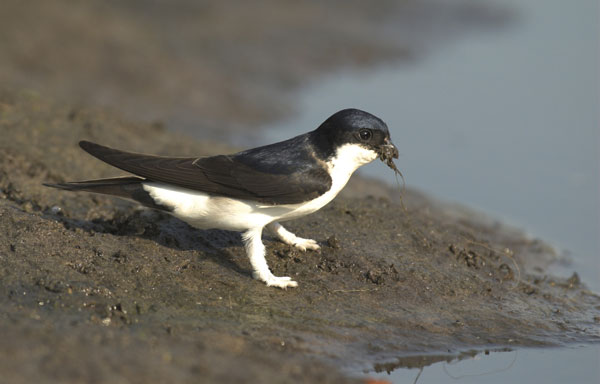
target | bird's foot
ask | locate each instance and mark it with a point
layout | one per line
(290, 239)
(271, 280)
(304, 244)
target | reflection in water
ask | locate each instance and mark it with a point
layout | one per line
(422, 361)
(567, 365)
(461, 374)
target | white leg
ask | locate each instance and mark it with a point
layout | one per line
(290, 239)
(256, 253)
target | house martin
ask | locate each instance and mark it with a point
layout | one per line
(253, 189)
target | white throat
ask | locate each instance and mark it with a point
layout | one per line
(348, 158)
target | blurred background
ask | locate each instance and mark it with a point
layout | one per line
(493, 103)
(212, 68)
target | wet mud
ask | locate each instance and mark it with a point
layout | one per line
(95, 288)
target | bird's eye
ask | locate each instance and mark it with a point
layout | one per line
(365, 134)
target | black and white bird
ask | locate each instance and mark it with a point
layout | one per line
(252, 189)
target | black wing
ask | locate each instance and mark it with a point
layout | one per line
(222, 175)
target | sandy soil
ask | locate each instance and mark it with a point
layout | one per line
(94, 289)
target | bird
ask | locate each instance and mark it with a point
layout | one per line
(253, 189)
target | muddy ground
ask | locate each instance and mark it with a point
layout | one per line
(94, 289)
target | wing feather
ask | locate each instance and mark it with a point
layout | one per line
(220, 175)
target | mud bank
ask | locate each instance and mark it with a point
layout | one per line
(94, 288)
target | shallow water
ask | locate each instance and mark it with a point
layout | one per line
(505, 122)
(577, 365)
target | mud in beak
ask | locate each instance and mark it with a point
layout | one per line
(390, 150)
(387, 153)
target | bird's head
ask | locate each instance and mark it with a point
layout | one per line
(362, 129)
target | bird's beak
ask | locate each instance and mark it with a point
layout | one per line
(389, 150)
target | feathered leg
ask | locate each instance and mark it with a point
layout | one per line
(256, 253)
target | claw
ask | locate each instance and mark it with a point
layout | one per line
(282, 282)
(304, 244)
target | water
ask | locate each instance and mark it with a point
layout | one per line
(505, 122)
(576, 365)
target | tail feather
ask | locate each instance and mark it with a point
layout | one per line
(126, 187)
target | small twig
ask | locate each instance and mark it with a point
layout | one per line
(354, 290)
(418, 375)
